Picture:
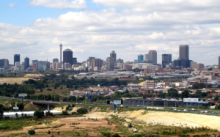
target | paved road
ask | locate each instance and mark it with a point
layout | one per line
(207, 112)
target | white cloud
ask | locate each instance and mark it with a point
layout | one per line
(129, 32)
(11, 5)
(60, 4)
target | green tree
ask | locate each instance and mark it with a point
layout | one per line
(185, 93)
(38, 113)
(173, 92)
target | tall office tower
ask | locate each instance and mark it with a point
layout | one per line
(26, 63)
(61, 53)
(166, 59)
(16, 58)
(97, 64)
(184, 52)
(120, 60)
(145, 57)
(219, 61)
(89, 60)
(6, 63)
(110, 63)
(140, 58)
(68, 56)
(35, 64)
(55, 60)
(152, 56)
(113, 55)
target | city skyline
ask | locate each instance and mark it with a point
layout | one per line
(34, 28)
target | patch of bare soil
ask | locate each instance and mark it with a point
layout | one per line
(67, 124)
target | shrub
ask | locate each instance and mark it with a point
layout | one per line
(48, 113)
(106, 134)
(64, 112)
(58, 132)
(116, 135)
(48, 132)
(74, 113)
(31, 132)
(38, 113)
(82, 111)
(73, 105)
(130, 125)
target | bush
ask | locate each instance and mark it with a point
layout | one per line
(31, 132)
(106, 134)
(130, 125)
(48, 113)
(38, 113)
(74, 113)
(82, 111)
(116, 135)
(64, 112)
(48, 132)
(73, 105)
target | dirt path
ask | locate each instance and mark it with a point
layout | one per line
(84, 124)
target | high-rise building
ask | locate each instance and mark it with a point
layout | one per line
(97, 64)
(140, 58)
(184, 52)
(16, 58)
(68, 56)
(219, 61)
(61, 53)
(152, 56)
(35, 64)
(110, 63)
(113, 55)
(146, 57)
(74, 60)
(89, 60)
(26, 63)
(166, 59)
(120, 60)
(4, 63)
(55, 60)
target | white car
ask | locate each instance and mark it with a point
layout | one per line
(185, 110)
(201, 111)
(205, 111)
(121, 105)
(193, 109)
(137, 105)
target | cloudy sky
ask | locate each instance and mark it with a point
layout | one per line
(35, 28)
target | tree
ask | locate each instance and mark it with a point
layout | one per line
(38, 113)
(185, 93)
(20, 106)
(173, 92)
(1, 110)
(82, 111)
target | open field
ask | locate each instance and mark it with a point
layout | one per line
(126, 122)
(13, 80)
(33, 75)
(63, 91)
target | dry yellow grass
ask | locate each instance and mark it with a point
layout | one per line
(166, 118)
(13, 80)
(141, 84)
(33, 75)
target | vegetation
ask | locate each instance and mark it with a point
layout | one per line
(82, 111)
(38, 113)
(31, 132)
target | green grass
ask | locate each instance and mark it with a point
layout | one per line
(15, 124)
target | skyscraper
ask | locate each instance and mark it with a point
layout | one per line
(140, 58)
(219, 61)
(68, 56)
(166, 59)
(184, 52)
(145, 57)
(152, 56)
(55, 60)
(113, 55)
(110, 63)
(16, 58)
(61, 53)
(26, 63)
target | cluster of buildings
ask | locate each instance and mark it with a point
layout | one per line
(147, 62)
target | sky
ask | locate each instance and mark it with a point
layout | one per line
(93, 28)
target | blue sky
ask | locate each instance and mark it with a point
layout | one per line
(35, 28)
